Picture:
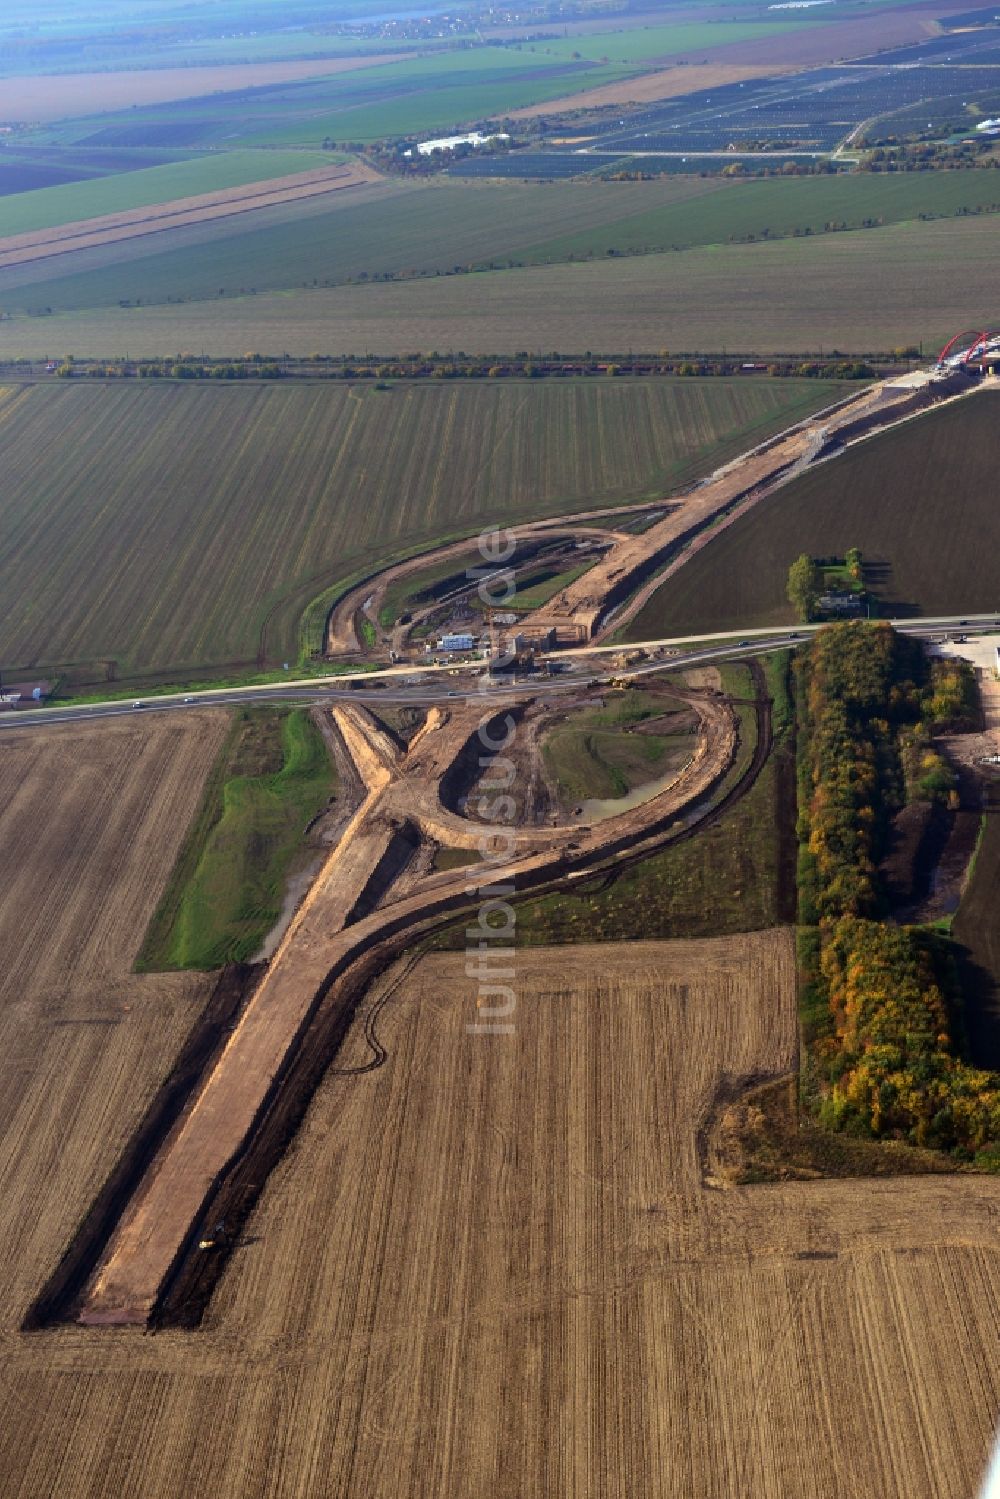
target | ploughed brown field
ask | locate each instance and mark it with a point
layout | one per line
(918, 501)
(48, 96)
(487, 1266)
(648, 88)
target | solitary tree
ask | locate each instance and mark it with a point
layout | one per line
(803, 586)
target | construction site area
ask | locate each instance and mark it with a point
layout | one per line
(601, 566)
(411, 1220)
(374, 898)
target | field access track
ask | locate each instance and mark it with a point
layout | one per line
(85, 234)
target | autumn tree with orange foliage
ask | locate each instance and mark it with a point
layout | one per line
(886, 1053)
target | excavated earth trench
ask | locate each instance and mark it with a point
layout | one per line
(155, 1241)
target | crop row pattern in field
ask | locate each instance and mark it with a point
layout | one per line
(91, 818)
(919, 502)
(175, 526)
(875, 289)
(391, 228)
(490, 1266)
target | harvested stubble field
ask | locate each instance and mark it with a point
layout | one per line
(195, 522)
(875, 289)
(918, 501)
(91, 818)
(490, 1266)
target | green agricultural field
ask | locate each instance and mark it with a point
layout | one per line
(389, 228)
(876, 289)
(273, 776)
(442, 87)
(918, 501)
(269, 46)
(428, 95)
(641, 46)
(775, 208)
(418, 94)
(177, 527)
(22, 213)
(394, 229)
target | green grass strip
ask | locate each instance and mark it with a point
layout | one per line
(272, 777)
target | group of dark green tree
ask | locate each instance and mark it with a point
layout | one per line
(805, 580)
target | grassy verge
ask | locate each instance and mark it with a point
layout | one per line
(272, 777)
(592, 754)
(119, 692)
(764, 1136)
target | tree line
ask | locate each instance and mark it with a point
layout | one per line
(880, 1001)
(436, 366)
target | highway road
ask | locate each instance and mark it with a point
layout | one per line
(424, 685)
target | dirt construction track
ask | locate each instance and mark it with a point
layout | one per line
(322, 943)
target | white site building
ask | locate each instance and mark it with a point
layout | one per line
(449, 142)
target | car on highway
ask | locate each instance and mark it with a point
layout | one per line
(138, 703)
(743, 642)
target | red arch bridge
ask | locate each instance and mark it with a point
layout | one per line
(965, 349)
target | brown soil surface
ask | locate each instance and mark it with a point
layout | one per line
(647, 88)
(633, 569)
(490, 1266)
(43, 244)
(91, 819)
(318, 967)
(59, 95)
(733, 62)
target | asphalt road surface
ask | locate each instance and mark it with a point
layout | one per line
(425, 685)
